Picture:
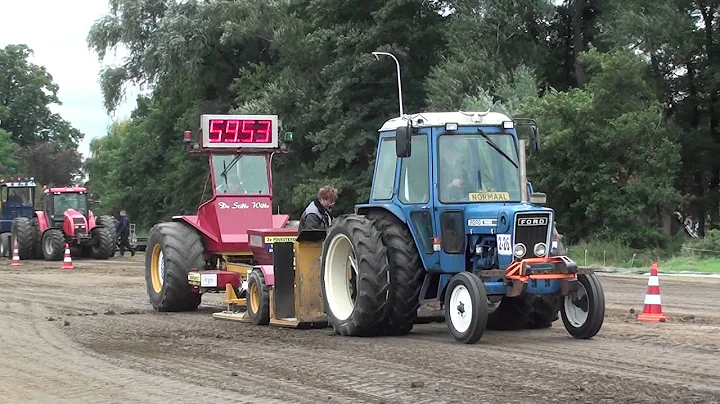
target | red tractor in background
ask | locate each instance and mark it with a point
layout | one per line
(65, 218)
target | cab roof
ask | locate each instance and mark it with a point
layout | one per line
(462, 118)
(62, 190)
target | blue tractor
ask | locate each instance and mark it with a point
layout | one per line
(452, 218)
(17, 199)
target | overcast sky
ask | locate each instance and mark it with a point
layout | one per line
(56, 31)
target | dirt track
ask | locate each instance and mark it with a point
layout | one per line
(91, 335)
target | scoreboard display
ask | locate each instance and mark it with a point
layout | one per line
(240, 131)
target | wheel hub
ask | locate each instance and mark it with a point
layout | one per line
(576, 306)
(461, 315)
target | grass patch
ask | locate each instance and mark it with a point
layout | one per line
(605, 254)
(691, 264)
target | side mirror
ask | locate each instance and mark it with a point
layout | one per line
(535, 140)
(402, 141)
(538, 198)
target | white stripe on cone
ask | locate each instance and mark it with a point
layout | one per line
(652, 299)
(653, 281)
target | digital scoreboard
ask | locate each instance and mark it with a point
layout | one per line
(240, 131)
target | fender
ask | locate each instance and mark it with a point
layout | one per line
(268, 272)
(395, 210)
(91, 220)
(42, 221)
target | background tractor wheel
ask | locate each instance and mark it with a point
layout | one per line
(23, 232)
(512, 313)
(545, 310)
(258, 298)
(359, 308)
(103, 243)
(53, 245)
(107, 221)
(406, 273)
(173, 249)
(583, 311)
(5, 246)
(466, 307)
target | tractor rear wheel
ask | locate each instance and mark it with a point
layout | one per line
(53, 241)
(174, 248)
(354, 248)
(107, 221)
(406, 273)
(5, 247)
(23, 232)
(258, 298)
(103, 243)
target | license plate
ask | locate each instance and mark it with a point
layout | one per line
(208, 280)
(193, 278)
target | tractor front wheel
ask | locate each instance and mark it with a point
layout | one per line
(258, 298)
(23, 233)
(355, 277)
(104, 243)
(466, 307)
(174, 248)
(53, 241)
(583, 310)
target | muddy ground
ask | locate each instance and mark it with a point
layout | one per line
(90, 335)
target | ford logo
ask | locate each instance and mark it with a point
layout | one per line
(533, 221)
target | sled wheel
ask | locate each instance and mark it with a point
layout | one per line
(258, 298)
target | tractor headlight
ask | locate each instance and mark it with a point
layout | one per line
(519, 250)
(540, 249)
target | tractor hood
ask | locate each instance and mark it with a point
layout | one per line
(499, 218)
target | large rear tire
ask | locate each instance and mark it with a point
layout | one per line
(107, 221)
(23, 232)
(258, 298)
(174, 248)
(103, 242)
(53, 243)
(354, 244)
(406, 273)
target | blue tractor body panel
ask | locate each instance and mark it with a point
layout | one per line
(454, 235)
(16, 200)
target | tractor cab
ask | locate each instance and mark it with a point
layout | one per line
(17, 199)
(240, 149)
(57, 202)
(468, 168)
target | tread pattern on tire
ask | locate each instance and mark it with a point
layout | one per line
(58, 243)
(262, 317)
(182, 249)
(370, 308)
(406, 273)
(106, 243)
(24, 232)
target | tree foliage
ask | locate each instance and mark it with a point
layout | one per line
(625, 94)
(34, 141)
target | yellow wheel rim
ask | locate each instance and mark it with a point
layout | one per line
(254, 298)
(157, 268)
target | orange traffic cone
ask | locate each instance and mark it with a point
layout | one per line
(652, 312)
(16, 256)
(67, 261)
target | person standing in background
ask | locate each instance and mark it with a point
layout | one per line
(123, 231)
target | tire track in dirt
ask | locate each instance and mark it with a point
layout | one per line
(626, 362)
